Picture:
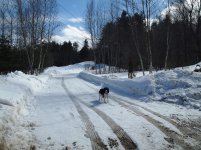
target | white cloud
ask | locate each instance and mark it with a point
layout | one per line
(76, 20)
(73, 34)
(173, 10)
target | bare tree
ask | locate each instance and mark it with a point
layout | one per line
(130, 5)
(46, 28)
(11, 20)
(189, 12)
(90, 23)
(96, 18)
(193, 7)
(2, 15)
(147, 4)
(114, 45)
(36, 24)
(23, 29)
(5, 16)
(51, 25)
(168, 34)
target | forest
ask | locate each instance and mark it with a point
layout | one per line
(141, 35)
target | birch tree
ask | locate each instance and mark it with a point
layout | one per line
(96, 18)
(36, 24)
(147, 4)
(46, 27)
(90, 23)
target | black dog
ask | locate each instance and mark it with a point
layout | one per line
(103, 94)
(197, 68)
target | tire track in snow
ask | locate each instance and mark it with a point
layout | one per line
(184, 130)
(96, 141)
(123, 137)
(173, 137)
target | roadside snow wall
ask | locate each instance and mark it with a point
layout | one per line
(140, 86)
(15, 88)
(178, 86)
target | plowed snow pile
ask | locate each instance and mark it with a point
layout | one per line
(15, 89)
(179, 86)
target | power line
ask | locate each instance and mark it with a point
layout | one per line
(73, 17)
(71, 14)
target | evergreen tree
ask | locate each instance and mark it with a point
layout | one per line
(84, 52)
(4, 54)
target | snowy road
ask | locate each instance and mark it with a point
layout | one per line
(67, 113)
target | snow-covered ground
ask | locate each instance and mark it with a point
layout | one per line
(60, 109)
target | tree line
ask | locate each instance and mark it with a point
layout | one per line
(128, 34)
(134, 39)
(25, 26)
(12, 58)
(26, 30)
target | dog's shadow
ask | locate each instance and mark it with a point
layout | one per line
(95, 103)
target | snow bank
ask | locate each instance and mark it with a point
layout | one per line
(15, 88)
(138, 86)
(177, 86)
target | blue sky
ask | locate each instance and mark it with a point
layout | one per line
(71, 14)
